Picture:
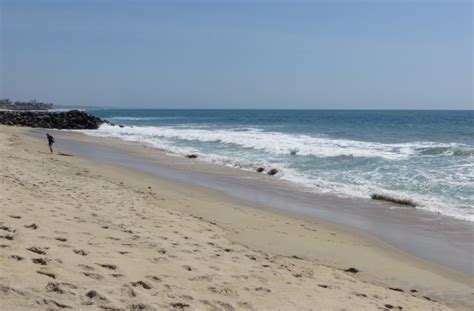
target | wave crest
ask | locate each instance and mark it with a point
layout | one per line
(278, 143)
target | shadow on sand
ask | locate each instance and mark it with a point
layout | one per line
(60, 153)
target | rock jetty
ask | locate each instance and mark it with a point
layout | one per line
(70, 120)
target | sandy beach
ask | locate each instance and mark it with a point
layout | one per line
(81, 235)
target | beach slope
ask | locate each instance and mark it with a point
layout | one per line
(79, 235)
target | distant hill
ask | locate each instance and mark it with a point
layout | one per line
(31, 105)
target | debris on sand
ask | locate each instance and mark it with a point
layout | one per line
(388, 198)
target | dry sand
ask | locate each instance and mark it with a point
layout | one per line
(78, 235)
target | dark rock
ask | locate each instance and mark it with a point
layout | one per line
(192, 156)
(272, 172)
(260, 169)
(352, 270)
(74, 119)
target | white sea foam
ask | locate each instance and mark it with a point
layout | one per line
(119, 118)
(362, 188)
(277, 143)
(281, 144)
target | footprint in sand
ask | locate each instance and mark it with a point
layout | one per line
(93, 296)
(37, 250)
(32, 226)
(179, 305)
(142, 284)
(4, 289)
(6, 228)
(46, 273)
(53, 303)
(94, 276)
(60, 288)
(108, 266)
(224, 291)
(153, 278)
(240, 277)
(41, 261)
(117, 275)
(128, 291)
(7, 237)
(223, 305)
(245, 305)
(262, 290)
(81, 252)
(86, 267)
(140, 306)
(158, 260)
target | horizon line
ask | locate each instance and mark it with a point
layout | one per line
(270, 109)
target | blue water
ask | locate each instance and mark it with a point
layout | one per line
(427, 156)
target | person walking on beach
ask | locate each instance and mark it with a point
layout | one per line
(50, 142)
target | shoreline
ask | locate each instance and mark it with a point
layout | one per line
(395, 201)
(300, 240)
(427, 169)
(440, 239)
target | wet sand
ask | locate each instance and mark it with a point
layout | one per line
(86, 235)
(437, 238)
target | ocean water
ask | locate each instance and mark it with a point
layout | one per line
(426, 156)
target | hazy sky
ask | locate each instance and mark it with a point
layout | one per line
(239, 54)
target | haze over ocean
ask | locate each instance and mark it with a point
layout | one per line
(238, 54)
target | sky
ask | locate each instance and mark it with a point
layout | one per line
(350, 54)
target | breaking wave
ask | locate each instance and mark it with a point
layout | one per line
(283, 143)
(395, 166)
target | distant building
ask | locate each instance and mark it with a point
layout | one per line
(31, 105)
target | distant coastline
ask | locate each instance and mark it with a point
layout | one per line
(6, 104)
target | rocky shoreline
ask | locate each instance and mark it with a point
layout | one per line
(67, 120)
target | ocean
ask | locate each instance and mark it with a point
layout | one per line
(425, 156)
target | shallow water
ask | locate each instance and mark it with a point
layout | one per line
(441, 239)
(426, 156)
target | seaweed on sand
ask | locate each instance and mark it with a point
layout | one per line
(388, 198)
